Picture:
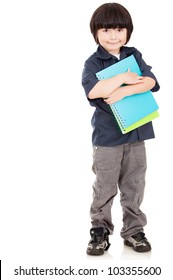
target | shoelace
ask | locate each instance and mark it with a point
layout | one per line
(139, 236)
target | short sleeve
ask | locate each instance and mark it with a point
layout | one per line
(146, 70)
(89, 79)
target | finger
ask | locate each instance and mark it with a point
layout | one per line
(141, 77)
(138, 82)
(106, 100)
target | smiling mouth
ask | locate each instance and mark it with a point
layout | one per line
(113, 43)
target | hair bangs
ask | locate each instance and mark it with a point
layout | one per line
(112, 18)
(113, 25)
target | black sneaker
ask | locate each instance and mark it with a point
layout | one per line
(139, 242)
(99, 241)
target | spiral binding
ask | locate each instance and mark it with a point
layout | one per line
(117, 115)
(117, 120)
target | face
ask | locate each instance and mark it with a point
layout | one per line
(112, 39)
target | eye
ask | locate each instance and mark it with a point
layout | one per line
(121, 29)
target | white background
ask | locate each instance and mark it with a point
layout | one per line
(45, 137)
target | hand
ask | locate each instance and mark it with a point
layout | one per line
(132, 78)
(114, 97)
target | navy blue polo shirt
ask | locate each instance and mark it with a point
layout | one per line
(105, 130)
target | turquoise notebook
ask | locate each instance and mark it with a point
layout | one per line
(133, 108)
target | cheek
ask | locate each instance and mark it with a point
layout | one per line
(124, 38)
(101, 39)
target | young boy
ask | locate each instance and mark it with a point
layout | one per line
(119, 160)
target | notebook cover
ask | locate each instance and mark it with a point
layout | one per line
(132, 108)
(141, 122)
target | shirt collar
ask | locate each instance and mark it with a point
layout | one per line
(103, 54)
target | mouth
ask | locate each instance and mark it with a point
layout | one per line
(113, 43)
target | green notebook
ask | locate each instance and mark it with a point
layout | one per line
(139, 123)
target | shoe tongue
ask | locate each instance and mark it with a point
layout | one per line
(98, 231)
(140, 235)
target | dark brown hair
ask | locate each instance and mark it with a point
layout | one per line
(111, 15)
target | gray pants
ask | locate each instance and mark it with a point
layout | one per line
(122, 167)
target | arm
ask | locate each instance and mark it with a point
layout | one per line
(105, 88)
(145, 84)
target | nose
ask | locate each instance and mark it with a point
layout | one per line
(113, 34)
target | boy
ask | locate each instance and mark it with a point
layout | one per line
(119, 160)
